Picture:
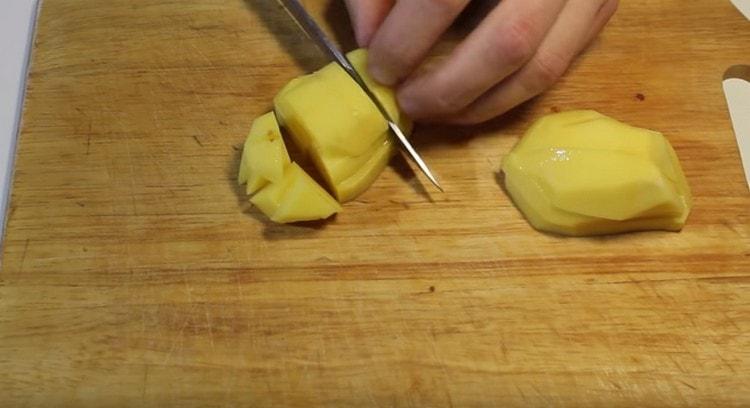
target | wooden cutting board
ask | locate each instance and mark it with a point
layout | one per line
(136, 274)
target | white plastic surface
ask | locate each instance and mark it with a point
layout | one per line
(738, 97)
(743, 6)
(16, 30)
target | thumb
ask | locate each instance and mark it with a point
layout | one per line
(367, 16)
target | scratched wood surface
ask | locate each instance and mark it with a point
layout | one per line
(135, 274)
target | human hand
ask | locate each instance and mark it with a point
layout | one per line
(521, 48)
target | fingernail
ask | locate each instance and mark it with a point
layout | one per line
(408, 104)
(380, 74)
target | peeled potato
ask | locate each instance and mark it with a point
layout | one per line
(582, 173)
(333, 121)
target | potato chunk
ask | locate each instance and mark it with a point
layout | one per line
(296, 197)
(285, 193)
(333, 121)
(264, 155)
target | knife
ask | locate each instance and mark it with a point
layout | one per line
(313, 31)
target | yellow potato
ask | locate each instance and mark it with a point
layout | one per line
(264, 155)
(362, 178)
(623, 186)
(285, 193)
(582, 173)
(296, 197)
(331, 119)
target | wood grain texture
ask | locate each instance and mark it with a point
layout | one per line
(134, 273)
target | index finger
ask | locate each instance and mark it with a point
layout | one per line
(367, 16)
(407, 35)
(503, 42)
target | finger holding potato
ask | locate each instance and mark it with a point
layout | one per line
(520, 49)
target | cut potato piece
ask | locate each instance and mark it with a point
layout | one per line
(296, 197)
(264, 155)
(333, 121)
(385, 95)
(582, 173)
(305, 200)
(271, 196)
(327, 111)
(363, 178)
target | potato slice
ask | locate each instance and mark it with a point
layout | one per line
(264, 155)
(365, 175)
(305, 200)
(296, 197)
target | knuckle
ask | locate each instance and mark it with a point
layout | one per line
(480, 113)
(513, 45)
(548, 69)
(444, 104)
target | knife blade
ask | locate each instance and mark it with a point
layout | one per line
(313, 31)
